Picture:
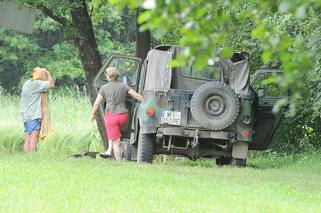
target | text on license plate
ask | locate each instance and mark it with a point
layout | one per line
(171, 117)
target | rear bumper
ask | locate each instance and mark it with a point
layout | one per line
(184, 132)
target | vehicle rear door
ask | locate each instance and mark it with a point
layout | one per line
(129, 69)
(265, 120)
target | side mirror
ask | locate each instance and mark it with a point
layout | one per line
(261, 92)
(125, 80)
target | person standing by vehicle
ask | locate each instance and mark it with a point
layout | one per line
(116, 113)
(31, 106)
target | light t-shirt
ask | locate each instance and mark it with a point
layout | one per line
(115, 94)
(30, 105)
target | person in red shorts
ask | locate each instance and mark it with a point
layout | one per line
(116, 114)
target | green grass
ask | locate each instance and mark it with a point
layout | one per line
(39, 183)
(48, 181)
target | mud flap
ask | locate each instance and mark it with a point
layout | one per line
(240, 149)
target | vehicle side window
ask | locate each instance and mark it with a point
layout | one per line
(127, 68)
(209, 72)
(270, 90)
(258, 84)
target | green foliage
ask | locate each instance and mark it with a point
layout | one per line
(44, 24)
(102, 13)
(62, 60)
(51, 44)
(107, 45)
(16, 53)
(213, 24)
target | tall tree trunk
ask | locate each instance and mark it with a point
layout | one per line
(142, 41)
(89, 54)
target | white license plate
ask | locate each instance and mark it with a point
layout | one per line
(171, 117)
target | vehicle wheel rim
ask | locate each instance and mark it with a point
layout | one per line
(215, 105)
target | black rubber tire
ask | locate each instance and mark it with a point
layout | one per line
(134, 151)
(127, 151)
(222, 161)
(145, 151)
(238, 162)
(214, 105)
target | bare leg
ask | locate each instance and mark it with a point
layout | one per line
(27, 143)
(110, 147)
(33, 141)
(116, 148)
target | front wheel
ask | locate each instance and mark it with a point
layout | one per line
(145, 150)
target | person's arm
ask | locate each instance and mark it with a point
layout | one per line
(98, 101)
(135, 95)
(50, 79)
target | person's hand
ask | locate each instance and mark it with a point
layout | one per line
(93, 117)
(45, 71)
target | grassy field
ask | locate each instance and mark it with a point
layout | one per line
(38, 183)
(48, 181)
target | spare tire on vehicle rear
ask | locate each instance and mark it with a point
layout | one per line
(214, 105)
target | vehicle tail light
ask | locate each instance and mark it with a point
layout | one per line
(150, 111)
(245, 133)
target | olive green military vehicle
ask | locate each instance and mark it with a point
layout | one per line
(216, 112)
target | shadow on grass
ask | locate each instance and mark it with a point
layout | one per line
(260, 162)
(257, 162)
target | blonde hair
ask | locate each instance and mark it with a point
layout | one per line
(38, 74)
(112, 73)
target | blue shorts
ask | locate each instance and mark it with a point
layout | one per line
(33, 125)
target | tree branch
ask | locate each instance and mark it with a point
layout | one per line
(50, 13)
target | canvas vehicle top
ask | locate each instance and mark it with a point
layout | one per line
(215, 112)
